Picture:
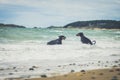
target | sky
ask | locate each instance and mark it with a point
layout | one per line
(45, 13)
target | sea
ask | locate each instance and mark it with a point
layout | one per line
(24, 52)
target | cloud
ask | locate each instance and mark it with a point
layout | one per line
(57, 12)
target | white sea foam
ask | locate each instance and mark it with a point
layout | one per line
(31, 50)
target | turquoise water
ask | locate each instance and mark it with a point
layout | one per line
(23, 34)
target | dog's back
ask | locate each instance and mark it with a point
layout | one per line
(53, 42)
(85, 40)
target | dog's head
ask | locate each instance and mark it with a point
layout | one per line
(79, 34)
(62, 37)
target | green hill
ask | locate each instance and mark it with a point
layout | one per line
(107, 24)
(11, 25)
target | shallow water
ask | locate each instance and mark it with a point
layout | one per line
(20, 49)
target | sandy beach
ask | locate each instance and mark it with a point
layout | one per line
(97, 74)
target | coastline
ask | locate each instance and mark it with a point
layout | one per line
(95, 74)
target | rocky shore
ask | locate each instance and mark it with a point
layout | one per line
(99, 70)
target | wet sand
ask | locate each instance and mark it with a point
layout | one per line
(97, 74)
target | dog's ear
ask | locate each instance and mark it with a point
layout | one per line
(81, 34)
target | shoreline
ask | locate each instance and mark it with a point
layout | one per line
(43, 72)
(112, 73)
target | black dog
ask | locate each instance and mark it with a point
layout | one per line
(85, 40)
(57, 41)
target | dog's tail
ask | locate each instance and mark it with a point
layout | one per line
(93, 42)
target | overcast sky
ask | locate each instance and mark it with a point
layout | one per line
(44, 13)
